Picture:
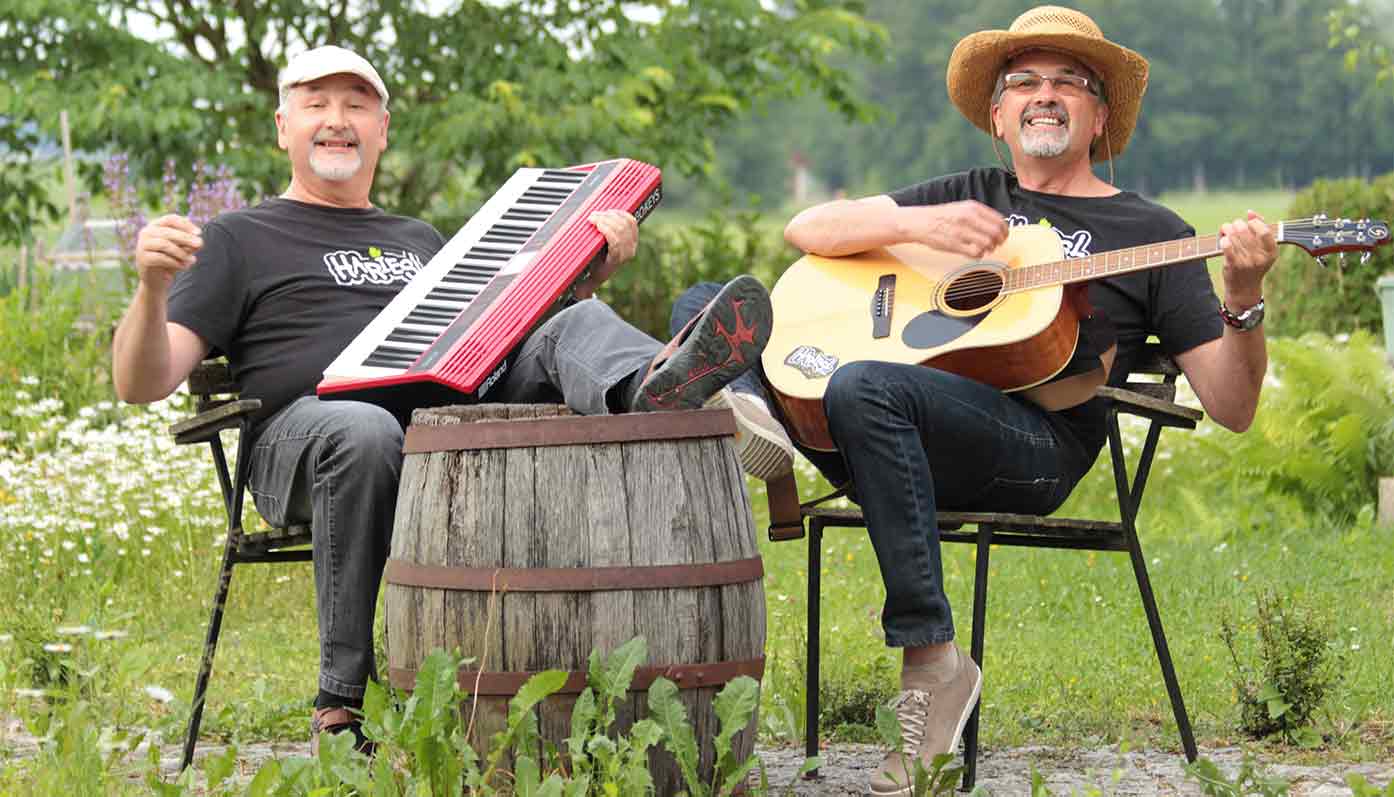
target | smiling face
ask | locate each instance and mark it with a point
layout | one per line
(334, 129)
(1048, 119)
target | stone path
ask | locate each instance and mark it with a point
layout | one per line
(846, 768)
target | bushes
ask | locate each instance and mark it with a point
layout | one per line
(671, 258)
(1296, 669)
(1303, 296)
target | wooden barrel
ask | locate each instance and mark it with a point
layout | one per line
(527, 536)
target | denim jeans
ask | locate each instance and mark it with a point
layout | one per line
(914, 440)
(335, 465)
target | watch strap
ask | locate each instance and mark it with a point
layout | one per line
(1245, 320)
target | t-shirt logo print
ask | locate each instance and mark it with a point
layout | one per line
(1076, 244)
(377, 267)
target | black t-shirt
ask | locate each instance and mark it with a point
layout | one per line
(1176, 303)
(282, 288)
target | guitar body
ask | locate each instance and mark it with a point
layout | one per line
(911, 304)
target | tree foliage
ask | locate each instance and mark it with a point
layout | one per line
(1242, 94)
(478, 88)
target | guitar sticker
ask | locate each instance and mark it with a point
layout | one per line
(812, 362)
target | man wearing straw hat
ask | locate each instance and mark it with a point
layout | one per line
(1059, 97)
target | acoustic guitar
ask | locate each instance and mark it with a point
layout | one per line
(1010, 319)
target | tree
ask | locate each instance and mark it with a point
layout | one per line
(478, 89)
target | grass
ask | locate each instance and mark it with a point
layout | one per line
(1069, 658)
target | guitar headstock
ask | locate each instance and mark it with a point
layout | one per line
(1321, 236)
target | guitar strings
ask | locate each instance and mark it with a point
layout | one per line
(991, 283)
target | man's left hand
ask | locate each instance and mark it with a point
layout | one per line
(1250, 251)
(621, 233)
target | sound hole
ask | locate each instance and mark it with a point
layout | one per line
(973, 290)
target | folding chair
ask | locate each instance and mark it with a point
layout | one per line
(1151, 400)
(219, 409)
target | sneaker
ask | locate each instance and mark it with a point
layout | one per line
(764, 448)
(930, 725)
(338, 719)
(720, 344)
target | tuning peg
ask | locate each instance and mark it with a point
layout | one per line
(1321, 260)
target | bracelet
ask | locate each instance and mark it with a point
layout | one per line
(1246, 320)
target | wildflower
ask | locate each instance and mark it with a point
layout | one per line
(73, 630)
(159, 693)
(31, 381)
(58, 647)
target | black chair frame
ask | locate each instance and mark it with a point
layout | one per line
(218, 410)
(1152, 401)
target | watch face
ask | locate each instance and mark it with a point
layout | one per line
(1252, 318)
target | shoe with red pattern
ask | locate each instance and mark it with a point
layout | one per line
(721, 343)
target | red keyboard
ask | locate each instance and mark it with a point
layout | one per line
(450, 335)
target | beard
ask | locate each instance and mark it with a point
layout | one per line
(1046, 141)
(336, 171)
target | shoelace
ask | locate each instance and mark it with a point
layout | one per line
(910, 709)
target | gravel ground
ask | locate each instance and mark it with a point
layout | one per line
(846, 768)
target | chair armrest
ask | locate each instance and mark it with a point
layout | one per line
(1167, 413)
(205, 425)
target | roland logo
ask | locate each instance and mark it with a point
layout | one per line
(493, 378)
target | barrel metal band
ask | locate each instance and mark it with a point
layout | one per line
(507, 684)
(573, 579)
(570, 430)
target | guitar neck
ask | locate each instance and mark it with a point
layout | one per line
(1118, 261)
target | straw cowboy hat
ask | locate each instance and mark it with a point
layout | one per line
(977, 60)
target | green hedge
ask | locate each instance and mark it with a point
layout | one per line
(673, 257)
(1303, 296)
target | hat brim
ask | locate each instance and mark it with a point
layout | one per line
(978, 58)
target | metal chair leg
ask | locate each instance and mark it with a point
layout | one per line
(210, 645)
(970, 731)
(1159, 642)
(814, 600)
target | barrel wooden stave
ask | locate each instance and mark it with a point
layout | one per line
(678, 502)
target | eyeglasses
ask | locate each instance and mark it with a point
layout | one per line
(1030, 82)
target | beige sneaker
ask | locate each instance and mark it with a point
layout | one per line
(764, 448)
(930, 725)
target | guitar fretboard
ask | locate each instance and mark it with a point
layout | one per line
(1107, 264)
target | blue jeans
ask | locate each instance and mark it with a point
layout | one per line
(913, 440)
(335, 465)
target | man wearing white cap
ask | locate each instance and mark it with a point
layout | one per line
(913, 439)
(283, 287)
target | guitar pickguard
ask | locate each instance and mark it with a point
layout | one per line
(933, 328)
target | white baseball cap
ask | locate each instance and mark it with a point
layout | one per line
(329, 60)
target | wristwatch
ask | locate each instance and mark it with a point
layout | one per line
(1246, 320)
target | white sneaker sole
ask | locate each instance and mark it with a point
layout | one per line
(763, 452)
